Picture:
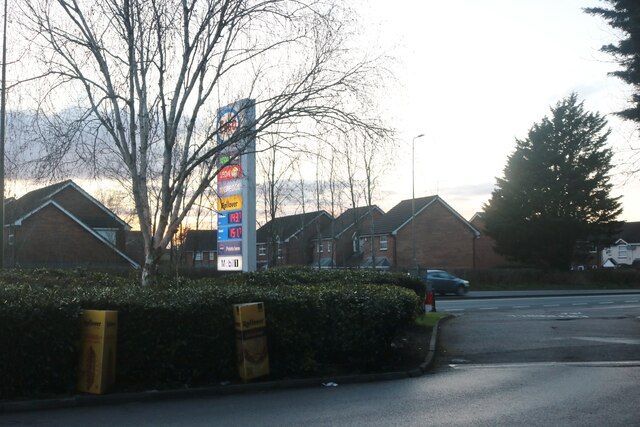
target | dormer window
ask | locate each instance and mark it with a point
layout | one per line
(109, 234)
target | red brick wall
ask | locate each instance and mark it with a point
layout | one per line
(486, 256)
(49, 237)
(442, 241)
(389, 253)
(343, 247)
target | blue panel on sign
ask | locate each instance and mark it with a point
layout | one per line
(223, 219)
(230, 233)
(229, 218)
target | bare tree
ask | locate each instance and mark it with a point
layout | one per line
(373, 166)
(276, 169)
(119, 202)
(320, 187)
(335, 189)
(146, 77)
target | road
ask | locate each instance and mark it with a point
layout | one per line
(575, 302)
(502, 367)
(554, 329)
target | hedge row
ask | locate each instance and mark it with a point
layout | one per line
(181, 334)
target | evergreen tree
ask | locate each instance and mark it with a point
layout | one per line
(555, 190)
(624, 15)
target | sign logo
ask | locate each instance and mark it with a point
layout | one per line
(229, 248)
(230, 187)
(232, 203)
(228, 124)
(229, 263)
(229, 172)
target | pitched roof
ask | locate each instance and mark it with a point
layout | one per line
(345, 221)
(201, 240)
(36, 199)
(630, 232)
(32, 202)
(400, 214)
(287, 227)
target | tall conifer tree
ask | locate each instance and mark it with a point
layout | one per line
(624, 15)
(556, 189)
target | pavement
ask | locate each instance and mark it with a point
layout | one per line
(228, 389)
(545, 293)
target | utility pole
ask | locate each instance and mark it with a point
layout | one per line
(3, 99)
(413, 201)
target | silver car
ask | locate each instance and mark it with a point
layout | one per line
(443, 282)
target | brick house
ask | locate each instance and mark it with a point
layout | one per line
(62, 226)
(200, 249)
(443, 238)
(485, 254)
(340, 242)
(288, 240)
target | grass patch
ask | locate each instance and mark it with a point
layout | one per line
(428, 320)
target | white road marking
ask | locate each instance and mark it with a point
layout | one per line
(625, 363)
(580, 303)
(610, 340)
(521, 306)
(632, 300)
(488, 308)
(606, 302)
(551, 316)
(551, 305)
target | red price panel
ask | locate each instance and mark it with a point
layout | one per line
(235, 232)
(235, 217)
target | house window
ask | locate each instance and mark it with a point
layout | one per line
(329, 246)
(262, 249)
(109, 234)
(622, 251)
(383, 243)
(279, 252)
(320, 247)
(198, 256)
(362, 243)
(212, 256)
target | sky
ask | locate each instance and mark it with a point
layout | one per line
(474, 76)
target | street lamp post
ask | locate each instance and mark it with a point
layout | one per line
(413, 199)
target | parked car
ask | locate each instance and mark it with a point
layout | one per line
(443, 282)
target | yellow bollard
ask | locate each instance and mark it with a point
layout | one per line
(97, 364)
(251, 340)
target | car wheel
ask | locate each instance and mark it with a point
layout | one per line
(461, 291)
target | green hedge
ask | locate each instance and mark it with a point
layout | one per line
(303, 275)
(181, 334)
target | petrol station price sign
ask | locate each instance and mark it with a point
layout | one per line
(236, 187)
